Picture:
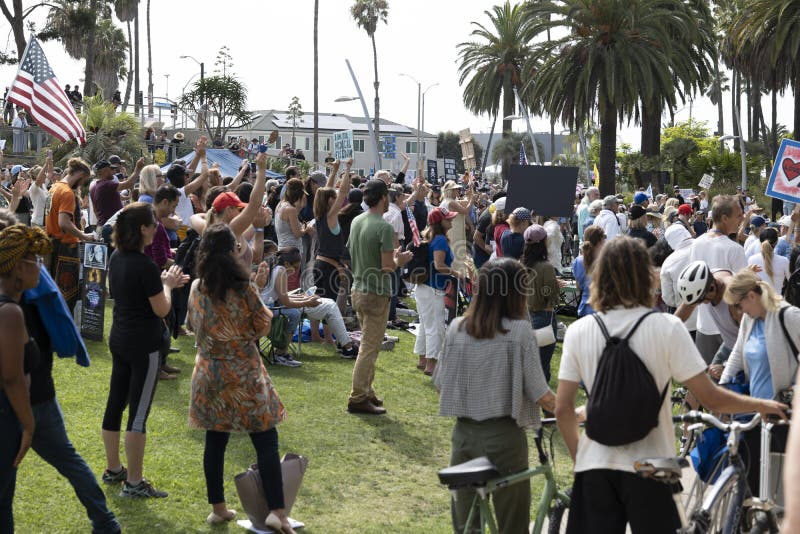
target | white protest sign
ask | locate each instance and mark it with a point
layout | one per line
(706, 181)
(343, 145)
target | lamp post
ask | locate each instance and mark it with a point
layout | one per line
(419, 113)
(360, 97)
(202, 79)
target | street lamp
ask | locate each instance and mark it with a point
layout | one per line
(346, 99)
(202, 78)
(360, 98)
(419, 102)
(741, 153)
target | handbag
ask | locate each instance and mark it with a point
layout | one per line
(545, 335)
(251, 491)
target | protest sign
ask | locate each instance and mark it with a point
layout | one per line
(784, 181)
(449, 169)
(706, 181)
(433, 171)
(93, 293)
(548, 191)
(343, 144)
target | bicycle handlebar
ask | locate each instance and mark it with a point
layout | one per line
(710, 420)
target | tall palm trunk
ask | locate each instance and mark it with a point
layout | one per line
(316, 82)
(608, 145)
(796, 130)
(774, 124)
(136, 80)
(377, 127)
(758, 118)
(720, 111)
(508, 110)
(129, 81)
(91, 34)
(149, 66)
(734, 100)
(749, 90)
(651, 142)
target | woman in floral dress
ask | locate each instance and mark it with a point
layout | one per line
(231, 390)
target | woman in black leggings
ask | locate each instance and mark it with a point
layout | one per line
(231, 390)
(142, 298)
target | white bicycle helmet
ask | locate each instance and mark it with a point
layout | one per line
(693, 282)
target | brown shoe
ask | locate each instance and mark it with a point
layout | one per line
(377, 401)
(163, 375)
(169, 369)
(365, 407)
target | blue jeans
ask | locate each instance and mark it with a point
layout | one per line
(11, 432)
(540, 319)
(51, 443)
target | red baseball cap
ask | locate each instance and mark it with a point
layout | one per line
(685, 209)
(440, 214)
(227, 200)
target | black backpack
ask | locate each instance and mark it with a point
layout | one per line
(624, 401)
(187, 252)
(418, 270)
(791, 291)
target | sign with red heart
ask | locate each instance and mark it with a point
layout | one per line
(784, 180)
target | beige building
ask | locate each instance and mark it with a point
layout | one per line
(405, 137)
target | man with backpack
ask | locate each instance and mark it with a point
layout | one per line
(627, 356)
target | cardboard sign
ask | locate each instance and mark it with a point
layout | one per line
(706, 181)
(784, 181)
(548, 191)
(343, 145)
(467, 149)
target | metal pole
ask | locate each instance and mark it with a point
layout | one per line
(741, 147)
(585, 155)
(202, 97)
(419, 118)
(366, 116)
(528, 124)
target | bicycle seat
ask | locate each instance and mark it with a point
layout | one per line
(475, 472)
(664, 469)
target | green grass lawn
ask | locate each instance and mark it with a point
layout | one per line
(365, 473)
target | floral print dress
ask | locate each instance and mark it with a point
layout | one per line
(231, 390)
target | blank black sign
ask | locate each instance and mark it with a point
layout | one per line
(548, 191)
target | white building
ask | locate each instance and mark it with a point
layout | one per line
(329, 123)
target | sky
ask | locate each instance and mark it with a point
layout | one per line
(271, 42)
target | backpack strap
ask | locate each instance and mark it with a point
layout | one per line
(641, 319)
(602, 326)
(786, 332)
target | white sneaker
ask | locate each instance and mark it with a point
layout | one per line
(286, 360)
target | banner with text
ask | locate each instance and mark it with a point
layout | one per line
(93, 294)
(343, 145)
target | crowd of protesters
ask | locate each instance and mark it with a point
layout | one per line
(219, 257)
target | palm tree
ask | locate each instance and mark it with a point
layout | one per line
(109, 61)
(149, 66)
(494, 62)
(367, 14)
(718, 86)
(126, 11)
(316, 81)
(614, 54)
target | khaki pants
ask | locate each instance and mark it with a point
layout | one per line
(507, 447)
(372, 311)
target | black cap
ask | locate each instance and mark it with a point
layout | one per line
(636, 212)
(100, 165)
(115, 161)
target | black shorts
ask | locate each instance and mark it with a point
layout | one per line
(326, 278)
(133, 384)
(605, 500)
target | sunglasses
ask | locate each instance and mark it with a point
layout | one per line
(38, 261)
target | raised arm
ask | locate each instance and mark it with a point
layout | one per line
(341, 193)
(243, 170)
(331, 181)
(245, 218)
(131, 181)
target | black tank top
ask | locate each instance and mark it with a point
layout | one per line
(330, 245)
(31, 355)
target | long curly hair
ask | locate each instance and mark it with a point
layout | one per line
(218, 267)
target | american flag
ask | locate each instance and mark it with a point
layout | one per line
(38, 91)
(412, 222)
(523, 159)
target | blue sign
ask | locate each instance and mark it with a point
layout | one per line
(389, 146)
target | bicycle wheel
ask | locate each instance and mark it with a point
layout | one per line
(722, 508)
(556, 520)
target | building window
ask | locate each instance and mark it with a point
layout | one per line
(308, 143)
(411, 147)
(359, 172)
(278, 143)
(358, 145)
(326, 144)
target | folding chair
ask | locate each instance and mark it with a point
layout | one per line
(267, 344)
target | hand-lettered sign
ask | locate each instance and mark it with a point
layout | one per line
(784, 181)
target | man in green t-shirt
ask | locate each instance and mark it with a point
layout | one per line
(374, 258)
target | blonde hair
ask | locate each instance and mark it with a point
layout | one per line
(148, 180)
(670, 203)
(75, 165)
(670, 212)
(746, 281)
(769, 238)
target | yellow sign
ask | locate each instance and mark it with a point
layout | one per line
(160, 157)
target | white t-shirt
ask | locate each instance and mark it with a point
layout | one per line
(38, 199)
(719, 252)
(184, 210)
(780, 270)
(607, 220)
(671, 270)
(395, 217)
(752, 246)
(668, 352)
(91, 216)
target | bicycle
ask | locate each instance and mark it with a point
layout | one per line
(727, 506)
(481, 475)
